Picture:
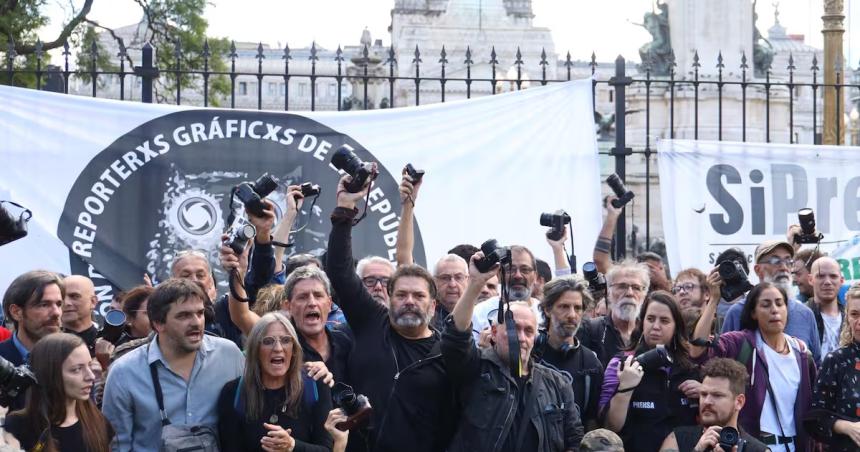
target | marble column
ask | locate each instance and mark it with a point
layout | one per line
(833, 31)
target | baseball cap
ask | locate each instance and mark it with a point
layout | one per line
(770, 245)
(602, 440)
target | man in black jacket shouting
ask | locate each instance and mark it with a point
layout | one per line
(506, 407)
(396, 361)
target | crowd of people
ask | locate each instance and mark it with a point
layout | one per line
(477, 353)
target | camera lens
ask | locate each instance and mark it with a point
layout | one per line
(546, 220)
(115, 317)
(346, 160)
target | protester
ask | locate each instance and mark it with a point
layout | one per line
(507, 405)
(490, 289)
(644, 397)
(451, 275)
(375, 272)
(273, 406)
(520, 278)
(782, 372)
(190, 366)
(627, 284)
(59, 415)
(803, 261)
(78, 306)
(563, 304)
(826, 277)
(134, 305)
(658, 276)
(835, 415)
(396, 361)
(721, 398)
(691, 288)
(542, 274)
(773, 262)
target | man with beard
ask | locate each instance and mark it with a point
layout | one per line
(375, 272)
(520, 276)
(563, 304)
(826, 280)
(774, 261)
(33, 303)
(451, 276)
(627, 284)
(508, 406)
(190, 366)
(691, 288)
(396, 361)
(721, 397)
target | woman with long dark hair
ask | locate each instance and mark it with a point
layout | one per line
(59, 415)
(650, 389)
(835, 415)
(780, 367)
(274, 406)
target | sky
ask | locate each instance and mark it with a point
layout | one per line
(572, 22)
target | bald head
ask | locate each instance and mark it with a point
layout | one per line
(79, 303)
(525, 323)
(826, 278)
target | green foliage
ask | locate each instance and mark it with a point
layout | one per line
(84, 57)
(19, 24)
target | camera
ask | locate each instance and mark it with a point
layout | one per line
(622, 194)
(10, 228)
(415, 174)
(735, 282)
(493, 254)
(654, 359)
(729, 438)
(345, 160)
(356, 407)
(13, 381)
(252, 193)
(806, 218)
(556, 221)
(112, 326)
(309, 189)
(596, 280)
(239, 233)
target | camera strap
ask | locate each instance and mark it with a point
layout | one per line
(571, 258)
(366, 204)
(773, 401)
(159, 397)
(308, 221)
(506, 317)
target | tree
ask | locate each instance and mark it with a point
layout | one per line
(175, 28)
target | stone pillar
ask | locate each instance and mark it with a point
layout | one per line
(832, 31)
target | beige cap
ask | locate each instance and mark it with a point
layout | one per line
(770, 245)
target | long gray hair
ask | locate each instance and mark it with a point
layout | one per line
(253, 389)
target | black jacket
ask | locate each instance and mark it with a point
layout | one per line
(10, 353)
(340, 340)
(373, 367)
(600, 336)
(584, 369)
(490, 399)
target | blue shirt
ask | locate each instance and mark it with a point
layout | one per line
(25, 354)
(129, 397)
(801, 324)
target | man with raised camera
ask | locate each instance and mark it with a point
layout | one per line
(510, 401)
(627, 284)
(721, 397)
(563, 304)
(774, 260)
(396, 361)
(188, 367)
(34, 303)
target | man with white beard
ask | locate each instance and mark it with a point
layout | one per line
(774, 260)
(627, 283)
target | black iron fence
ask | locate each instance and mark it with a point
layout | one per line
(648, 88)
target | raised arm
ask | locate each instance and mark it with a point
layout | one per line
(603, 246)
(405, 232)
(559, 255)
(294, 200)
(240, 313)
(706, 320)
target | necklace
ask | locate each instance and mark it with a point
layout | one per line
(274, 418)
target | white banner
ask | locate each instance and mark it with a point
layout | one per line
(717, 195)
(122, 186)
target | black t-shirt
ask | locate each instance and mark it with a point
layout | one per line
(69, 439)
(89, 335)
(521, 424)
(407, 351)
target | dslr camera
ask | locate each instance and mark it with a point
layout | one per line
(806, 219)
(345, 160)
(622, 194)
(13, 381)
(735, 281)
(309, 189)
(556, 221)
(493, 254)
(654, 359)
(596, 280)
(252, 193)
(239, 233)
(356, 407)
(729, 438)
(415, 174)
(113, 325)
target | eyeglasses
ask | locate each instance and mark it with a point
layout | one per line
(624, 287)
(269, 341)
(524, 269)
(686, 287)
(371, 281)
(458, 277)
(776, 261)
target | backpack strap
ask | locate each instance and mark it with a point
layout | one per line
(310, 393)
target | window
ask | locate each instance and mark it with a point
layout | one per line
(243, 88)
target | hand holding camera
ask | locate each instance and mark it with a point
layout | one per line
(556, 221)
(805, 232)
(410, 184)
(630, 373)
(231, 260)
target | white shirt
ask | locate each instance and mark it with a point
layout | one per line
(489, 308)
(784, 376)
(832, 325)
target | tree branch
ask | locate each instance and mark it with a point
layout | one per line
(26, 49)
(117, 38)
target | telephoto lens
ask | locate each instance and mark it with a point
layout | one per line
(345, 160)
(622, 194)
(806, 218)
(596, 280)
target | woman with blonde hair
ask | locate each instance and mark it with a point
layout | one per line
(274, 406)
